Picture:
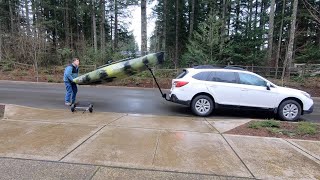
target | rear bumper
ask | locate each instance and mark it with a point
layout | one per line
(309, 111)
(174, 98)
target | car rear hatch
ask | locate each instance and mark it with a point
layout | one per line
(178, 82)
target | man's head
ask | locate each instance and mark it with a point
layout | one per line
(76, 61)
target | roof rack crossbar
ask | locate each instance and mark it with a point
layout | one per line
(206, 67)
(234, 67)
(218, 67)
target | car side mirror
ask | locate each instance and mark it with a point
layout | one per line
(268, 85)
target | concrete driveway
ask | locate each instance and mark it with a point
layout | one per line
(58, 144)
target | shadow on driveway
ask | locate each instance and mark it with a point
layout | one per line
(178, 110)
(225, 113)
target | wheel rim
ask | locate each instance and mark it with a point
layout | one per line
(290, 111)
(203, 106)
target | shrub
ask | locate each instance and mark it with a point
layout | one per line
(267, 123)
(306, 128)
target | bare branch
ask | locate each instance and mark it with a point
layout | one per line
(306, 2)
(316, 18)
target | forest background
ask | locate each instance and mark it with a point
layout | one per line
(46, 34)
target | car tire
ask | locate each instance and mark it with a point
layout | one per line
(202, 105)
(289, 110)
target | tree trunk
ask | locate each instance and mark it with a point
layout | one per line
(256, 20)
(11, 18)
(165, 28)
(237, 16)
(81, 30)
(192, 18)
(111, 32)
(223, 26)
(71, 37)
(35, 18)
(94, 26)
(78, 28)
(280, 39)
(318, 29)
(160, 40)
(26, 5)
(102, 26)
(228, 12)
(262, 18)
(143, 27)
(18, 16)
(36, 63)
(115, 43)
(177, 34)
(250, 20)
(66, 22)
(71, 32)
(0, 45)
(35, 42)
(55, 30)
(318, 36)
(270, 41)
(288, 58)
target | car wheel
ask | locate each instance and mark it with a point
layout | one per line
(202, 105)
(289, 110)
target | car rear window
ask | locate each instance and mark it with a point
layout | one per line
(228, 77)
(201, 76)
(182, 74)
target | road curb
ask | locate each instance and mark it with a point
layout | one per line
(285, 139)
(28, 82)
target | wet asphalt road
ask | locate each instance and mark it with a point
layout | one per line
(114, 99)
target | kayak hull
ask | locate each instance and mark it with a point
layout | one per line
(120, 70)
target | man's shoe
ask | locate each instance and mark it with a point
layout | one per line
(68, 104)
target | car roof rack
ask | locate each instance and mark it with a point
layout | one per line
(206, 67)
(217, 67)
(235, 68)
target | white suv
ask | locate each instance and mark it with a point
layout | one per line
(205, 88)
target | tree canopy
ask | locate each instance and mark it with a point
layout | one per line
(190, 32)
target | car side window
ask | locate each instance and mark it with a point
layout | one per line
(182, 74)
(227, 77)
(250, 79)
(201, 76)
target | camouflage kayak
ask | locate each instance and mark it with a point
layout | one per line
(120, 70)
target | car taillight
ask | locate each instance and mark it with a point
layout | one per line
(180, 83)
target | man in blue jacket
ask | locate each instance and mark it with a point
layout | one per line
(71, 72)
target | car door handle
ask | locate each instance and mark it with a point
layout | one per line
(244, 90)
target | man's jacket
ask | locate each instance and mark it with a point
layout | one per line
(70, 73)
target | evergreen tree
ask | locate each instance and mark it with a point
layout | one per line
(203, 47)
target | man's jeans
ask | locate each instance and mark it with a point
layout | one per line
(71, 91)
